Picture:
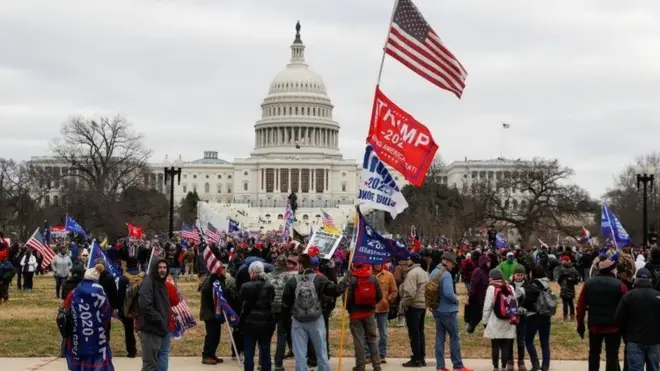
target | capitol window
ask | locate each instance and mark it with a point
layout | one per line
(194, 187)
(219, 188)
(296, 110)
(185, 176)
(185, 188)
(195, 176)
(228, 189)
(228, 176)
(207, 188)
(207, 177)
(245, 173)
(245, 186)
(343, 187)
(219, 176)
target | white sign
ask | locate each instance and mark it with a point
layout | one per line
(326, 243)
(377, 186)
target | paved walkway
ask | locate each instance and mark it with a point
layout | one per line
(194, 364)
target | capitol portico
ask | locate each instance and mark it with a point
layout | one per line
(296, 149)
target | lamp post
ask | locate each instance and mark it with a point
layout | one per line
(645, 179)
(172, 171)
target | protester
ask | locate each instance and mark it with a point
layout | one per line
(282, 315)
(154, 314)
(600, 296)
(127, 290)
(212, 324)
(61, 266)
(567, 278)
(6, 269)
(500, 309)
(88, 349)
(477, 293)
(414, 305)
(537, 322)
(467, 268)
(389, 290)
(28, 267)
(256, 317)
(653, 265)
(507, 265)
(518, 283)
(445, 314)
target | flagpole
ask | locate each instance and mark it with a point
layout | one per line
(345, 296)
(382, 59)
(233, 344)
(609, 221)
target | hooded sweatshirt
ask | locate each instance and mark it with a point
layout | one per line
(480, 281)
(154, 303)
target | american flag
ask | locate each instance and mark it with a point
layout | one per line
(413, 42)
(288, 222)
(36, 242)
(212, 263)
(183, 317)
(189, 232)
(212, 233)
(327, 220)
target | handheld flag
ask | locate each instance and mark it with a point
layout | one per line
(134, 231)
(612, 228)
(222, 307)
(377, 186)
(500, 242)
(36, 242)
(329, 224)
(73, 226)
(212, 233)
(585, 235)
(212, 263)
(189, 232)
(234, 226)
(96, 253)
(289, 217)
(414, 239)
(398, 250)
(370, 247)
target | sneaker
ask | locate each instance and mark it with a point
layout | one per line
(412, 363)
(209, 361)
(443, 369)
(463, 369)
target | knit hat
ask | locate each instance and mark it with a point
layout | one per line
(510, 253)
(606, 266)
(94, 273)
(496, 274)
(518, 269)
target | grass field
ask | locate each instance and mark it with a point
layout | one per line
(28, 329)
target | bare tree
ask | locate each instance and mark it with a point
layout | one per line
(106, 155)
(535, 196)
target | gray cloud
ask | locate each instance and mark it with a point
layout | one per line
(576, 80)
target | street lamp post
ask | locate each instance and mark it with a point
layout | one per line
(172, 171)
(645, 179)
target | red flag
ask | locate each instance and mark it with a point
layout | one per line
(399, 140)
(134, 231)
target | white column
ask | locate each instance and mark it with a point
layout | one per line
(300, 179)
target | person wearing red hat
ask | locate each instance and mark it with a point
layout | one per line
(567, 278)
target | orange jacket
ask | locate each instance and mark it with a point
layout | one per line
(388, 288)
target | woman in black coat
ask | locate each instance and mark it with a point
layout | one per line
(256, 318)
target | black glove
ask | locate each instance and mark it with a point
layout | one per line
(580, 331)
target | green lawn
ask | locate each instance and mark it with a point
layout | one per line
(28, 329)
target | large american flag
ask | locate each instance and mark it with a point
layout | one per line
(36, 242)
(212, 233)
(189, 232)
(412, 41)
(327, 221)
(212, 263)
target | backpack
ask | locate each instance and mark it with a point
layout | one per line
(364, 292)
(432, 291)
(546, 303)
(307, 306)
(505, 306)
(64, 322)
(131, 307)
(278, 281)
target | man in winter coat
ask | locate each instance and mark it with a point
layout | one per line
(6, 269)
(361, 309)
(467, 267)
(61, 266)
(212, 325)
(600, 296)
(507, 265)
(390, 292)
(154, 313)
(131, 278)
(637, 316)
(446, 314)
(413, 303)
(477, 293)
(278, 278)
(567, 278)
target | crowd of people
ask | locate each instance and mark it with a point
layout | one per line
(289, 292)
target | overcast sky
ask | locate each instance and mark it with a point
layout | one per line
(577, 80)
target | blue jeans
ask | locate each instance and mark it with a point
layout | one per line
(381, 322)
(447, 323)
(175, 272)
(301, 332)
(164, 354)
(639, 355)
(537, 323)
(250, 342)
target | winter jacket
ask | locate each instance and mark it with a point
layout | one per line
(154, 303)
(507, 268)
(354, 310)
(637, 315)
(322, 284)
(29, 263)
(533, 289)
(5, 252)
(413, 288)
(467, 268)
(388, 288)
(447, 299)
(400, 271)
(479, 283)
(256, 299)
(173, 296)
(567, 278)
(600, 296)
(496, 328)
(207, 306)
(110, 287)
(61, 265)
(130, 278)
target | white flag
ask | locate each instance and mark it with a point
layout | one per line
(378, 188)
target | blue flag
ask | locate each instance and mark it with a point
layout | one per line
(73, 226)
(611, 228)
(222, 307)
(398, 249)
(233, 226)
(98, 253)
(370, 247)
(500, 242)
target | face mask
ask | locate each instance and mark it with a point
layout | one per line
(509, 258)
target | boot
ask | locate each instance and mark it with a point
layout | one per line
(572, 317)
(521, 366)
(536, 366)
(509, 366)
(545, 368)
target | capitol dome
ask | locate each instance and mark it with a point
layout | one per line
(296, 117)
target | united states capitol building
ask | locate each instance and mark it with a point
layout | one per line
(296, 149)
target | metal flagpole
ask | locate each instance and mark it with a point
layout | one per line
(382, 59)
(345, 296)
(233, 344)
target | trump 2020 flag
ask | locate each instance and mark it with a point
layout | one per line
(233, 226)
(73, 226)
(222, 307)
(370, 247)
(500, 242)
(96, 253)
(610, 227)
(377, 187)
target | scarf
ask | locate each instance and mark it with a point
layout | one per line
(89, 349)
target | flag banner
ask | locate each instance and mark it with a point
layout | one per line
(329, 224)
(399, 140)
(212, 263)
(222, 308)
(234, 226)
(36, 242)
(212, 233)
(414, 43)
(398, 249)
(585, 235)
(415, 241)
(73, 226)
(134, 231)
(500, 241)
(183, 317)
(57, 231)
(95, 253)
(289, 218)
(370, 247)
(189, 232)
(326, 242)
(297, 236)
(611, 228)
(378, 188)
